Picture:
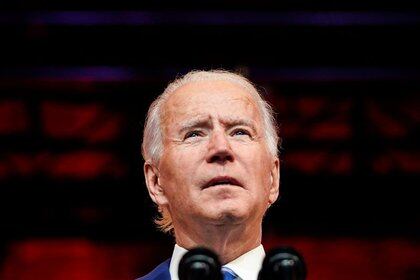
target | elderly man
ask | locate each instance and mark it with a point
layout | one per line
(211, 167)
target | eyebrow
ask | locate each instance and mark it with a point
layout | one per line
(230, 122)
(197, 122)
(227, 122)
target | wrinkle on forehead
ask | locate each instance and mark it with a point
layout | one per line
(191, 100)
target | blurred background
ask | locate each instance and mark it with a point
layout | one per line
(76, 79)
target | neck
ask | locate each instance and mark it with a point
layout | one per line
(227, 241)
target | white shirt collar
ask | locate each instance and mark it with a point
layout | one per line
(246, 266)
(177, 255)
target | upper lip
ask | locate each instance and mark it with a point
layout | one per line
(222, 180)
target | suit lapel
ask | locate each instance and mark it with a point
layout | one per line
(161, 272)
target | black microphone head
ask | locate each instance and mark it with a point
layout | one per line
(200, 264)
(283, 263)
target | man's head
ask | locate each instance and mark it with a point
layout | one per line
(210, 146)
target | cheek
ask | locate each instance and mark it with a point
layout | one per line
(185, 162)
(172, 163)
(259, 167)
(256, 161)
(177, 174)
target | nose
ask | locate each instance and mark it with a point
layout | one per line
(219, 149)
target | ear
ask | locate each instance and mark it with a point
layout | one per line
(151, 174)
(274, 181)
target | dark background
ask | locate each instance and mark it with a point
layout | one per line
(76, 79)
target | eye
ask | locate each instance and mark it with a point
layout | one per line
(192, 134)
(241, 132)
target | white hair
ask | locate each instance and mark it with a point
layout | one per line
(152, 146)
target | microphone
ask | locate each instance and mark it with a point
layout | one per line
(200, 264)
(284, 263)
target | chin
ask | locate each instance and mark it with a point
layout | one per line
(230, 215)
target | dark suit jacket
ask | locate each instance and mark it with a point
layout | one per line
(161, 272)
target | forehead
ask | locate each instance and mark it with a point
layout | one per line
(213, 98)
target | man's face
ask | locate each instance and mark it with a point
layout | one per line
(215, 166)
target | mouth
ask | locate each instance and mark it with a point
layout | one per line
(222, 180)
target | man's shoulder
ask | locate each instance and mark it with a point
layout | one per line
(161, 272)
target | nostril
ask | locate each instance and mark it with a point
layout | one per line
(221, 157)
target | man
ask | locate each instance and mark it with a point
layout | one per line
(211, 167)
